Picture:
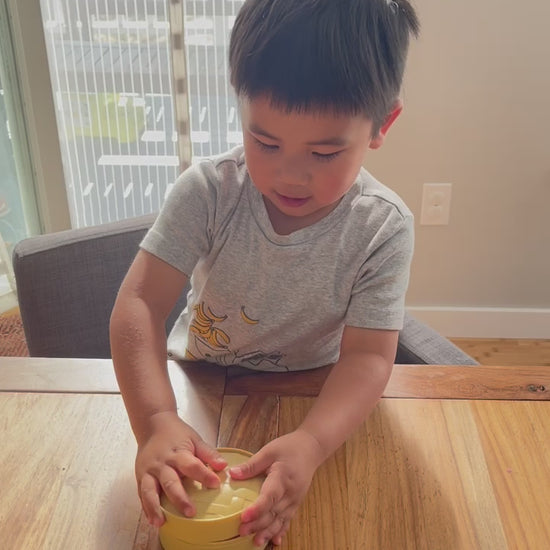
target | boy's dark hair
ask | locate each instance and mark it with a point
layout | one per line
(344, 56)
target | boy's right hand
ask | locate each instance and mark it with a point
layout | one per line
(171, 451)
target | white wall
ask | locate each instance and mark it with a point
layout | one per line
(477, 115)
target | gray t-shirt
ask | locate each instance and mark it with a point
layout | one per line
(271, 302)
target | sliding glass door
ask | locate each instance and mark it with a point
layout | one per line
(12, 220)
(111, 73)
(18, 212)
(215, 124)
(111, 77)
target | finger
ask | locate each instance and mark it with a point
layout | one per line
(148, 490)
(270, 498)
(170, 483)
(210, 456)
(273, 529)
(190, 466)
(254, 466)
(278, 538)
(262, 523)
(271, 522)
(263, 535)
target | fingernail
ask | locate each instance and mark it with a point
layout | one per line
(158, 522)
(213, 484)
(189, 512)
(236, 470)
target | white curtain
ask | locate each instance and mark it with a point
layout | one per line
(141, 90)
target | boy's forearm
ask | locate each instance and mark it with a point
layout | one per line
(138, 347)
(348, 396)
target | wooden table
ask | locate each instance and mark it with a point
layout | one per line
(452, 458)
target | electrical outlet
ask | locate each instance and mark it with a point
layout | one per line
(436, 204)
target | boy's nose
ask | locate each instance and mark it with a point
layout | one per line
(294, 172)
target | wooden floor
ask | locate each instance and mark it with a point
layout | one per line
(506, 352)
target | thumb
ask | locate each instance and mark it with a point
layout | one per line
(254, 466)
(210, 456)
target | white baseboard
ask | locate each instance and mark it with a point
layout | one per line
(471, 322)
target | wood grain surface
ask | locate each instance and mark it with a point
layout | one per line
(66, 467)
(323, 517)
(516, 444)
(469, 473)
(506, 351)
(418, 381)
(416, 486)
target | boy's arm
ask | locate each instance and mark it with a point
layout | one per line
(353, 387)
(167, 447)
(138, 338)
(349, 394)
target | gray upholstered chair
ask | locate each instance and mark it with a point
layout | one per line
(67, 283)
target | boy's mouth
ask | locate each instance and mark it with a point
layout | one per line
(293, 202)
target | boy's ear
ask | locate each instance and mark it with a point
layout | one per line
(378, 140)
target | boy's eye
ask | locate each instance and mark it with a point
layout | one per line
(265, 146)
(326, 157)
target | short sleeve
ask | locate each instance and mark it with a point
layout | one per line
(378, 296)
(182, 232)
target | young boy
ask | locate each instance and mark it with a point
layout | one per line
(297, 256)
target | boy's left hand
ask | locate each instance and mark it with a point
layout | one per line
(289, 462)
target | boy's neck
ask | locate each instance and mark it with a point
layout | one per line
(285, 225)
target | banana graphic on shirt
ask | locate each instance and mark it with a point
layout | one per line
(208, 338)
(247, 319)
(203, 327)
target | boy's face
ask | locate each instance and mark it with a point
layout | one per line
(303, 163)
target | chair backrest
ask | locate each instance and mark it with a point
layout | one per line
(420, 344)
(67, 283)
